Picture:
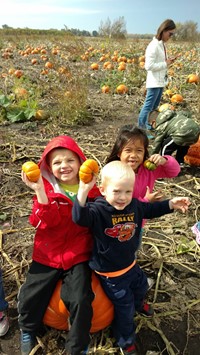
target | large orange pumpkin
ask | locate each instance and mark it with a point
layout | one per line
(57, 315)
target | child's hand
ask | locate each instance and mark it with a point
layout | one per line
(179, 203)
(86, 187)
(153, 196)
(157, 159)
(84, 190)
(36, 186)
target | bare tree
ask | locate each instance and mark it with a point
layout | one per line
(187, 31)
(117, 29)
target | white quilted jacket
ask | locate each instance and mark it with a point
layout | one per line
(155, 64)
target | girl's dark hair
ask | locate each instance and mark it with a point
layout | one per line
(127, 134)
(167, 25)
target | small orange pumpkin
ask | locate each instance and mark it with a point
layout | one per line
(57, 315)
(105, 89)
(48, 65)
(168, 93)
(41, 114)
(193, 78)
(141, 65)
(94, 66)
(122, 89)
(18, 73)
(20, 92)
(176, 98)
(31, 170)
(89, 168)
(122, 67)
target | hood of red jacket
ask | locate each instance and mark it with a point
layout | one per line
(62, 142)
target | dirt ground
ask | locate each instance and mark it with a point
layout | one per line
(169, 253)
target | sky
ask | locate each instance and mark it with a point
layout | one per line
(141, 16)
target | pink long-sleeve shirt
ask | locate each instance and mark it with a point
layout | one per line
(146, 177)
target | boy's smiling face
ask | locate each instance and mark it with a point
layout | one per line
(64, 165)
(118, 193)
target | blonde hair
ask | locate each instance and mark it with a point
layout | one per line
(116, 170)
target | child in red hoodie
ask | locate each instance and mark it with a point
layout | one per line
(61, 249)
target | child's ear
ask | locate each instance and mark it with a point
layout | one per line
(102, 190)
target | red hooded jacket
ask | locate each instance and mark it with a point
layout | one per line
(59, 242)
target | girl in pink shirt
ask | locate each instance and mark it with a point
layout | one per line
(131, 147)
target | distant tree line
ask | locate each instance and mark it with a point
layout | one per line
(187, 31)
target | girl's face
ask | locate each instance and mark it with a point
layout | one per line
(64, 165)
(133, 154)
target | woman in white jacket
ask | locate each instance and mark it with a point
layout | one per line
(156, 63)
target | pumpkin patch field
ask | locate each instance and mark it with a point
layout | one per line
(88, 88)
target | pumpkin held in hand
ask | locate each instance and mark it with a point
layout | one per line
(149, 165)
(87, 170)
(57, 315)
(31, 170)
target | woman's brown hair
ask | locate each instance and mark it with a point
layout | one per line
(167, 25)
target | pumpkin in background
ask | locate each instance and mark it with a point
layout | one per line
(193, 155)
(94, 66)
(193, 78)
(176, 98)
(57, 315)
(122, 89)
(105, 89)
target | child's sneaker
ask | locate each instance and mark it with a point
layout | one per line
(130, 350)
(28, 342)
(4, 323)
(146, 310)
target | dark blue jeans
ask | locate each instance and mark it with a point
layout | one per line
(127, 293)
(151, 103)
